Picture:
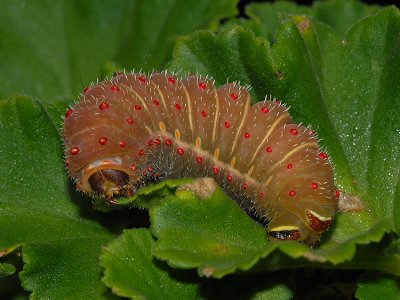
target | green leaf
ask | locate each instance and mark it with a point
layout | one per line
(211, 234)
(65, 42)
(60, 249)
(340, 14)
(343, 89)
(131, 271)
(68, 42)
(378, 286)
(158, 23)
(6, 269)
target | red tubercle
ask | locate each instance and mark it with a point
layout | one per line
(141, 152)
(245, 186)
(157, 142)
(202, 85)
(142, 79)
(337, 193)
(230, 178)
(168, 142)
(171, 80)
(67, 162)
(178, 106)
(156, 102)
(122, 144)
(150, 142)
(199, 159)
(115, 88)
(233, 96)
(86, 89)
(180, 151)
(132, 167)
(292, 193)
(268, 149)
(104, 106)
(279, 102)
(215, 170)
(227, 124)
(204, 113)
(150, 168)
(293, 131)
(247, 135)
(129, 120)
(314, 185)
(323, 155)
(264, 110)
(75, 150)
(69, 113)
(103, 141)
(261, 195)
(137, 107)
(289, 166)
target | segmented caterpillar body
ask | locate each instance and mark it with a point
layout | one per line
(136, 129)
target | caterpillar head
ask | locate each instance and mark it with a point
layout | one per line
(107, 177)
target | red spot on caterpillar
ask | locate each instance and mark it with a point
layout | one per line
(337, 194)
(204, 113)
(156, 102)
(75, 150)
(178, 106)
(215, 170)
(314, 186)
(199, 159)
(247, 135)
(69, 113)
(245, 185)
(115, 88)
(150, 142)
(180, 151)
(171, 80)
(129, 120)
(292, 193)
(157, 141)
(268, 149)
(132, 167)
(229, 177)
(122, 143)
(261, 195)
(103, 106)
(141, 152)
(85, 90)
(289, 166)
(142, 79)
(265, 110)
(168, 142)
(103, 140)
(323, 155)
(150, 168)
(227, 124)
(233, 96)
(202, 85)
(67, 162)
(293, 131)
(137, 107)
(278, 102)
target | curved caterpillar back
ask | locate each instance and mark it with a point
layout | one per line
(136, 129)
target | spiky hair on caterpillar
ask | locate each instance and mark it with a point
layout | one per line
(135, 128)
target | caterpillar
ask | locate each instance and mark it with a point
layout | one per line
(136, 129)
